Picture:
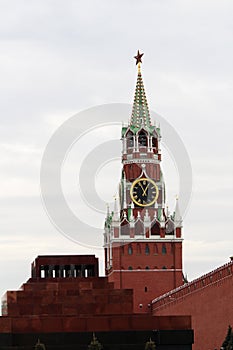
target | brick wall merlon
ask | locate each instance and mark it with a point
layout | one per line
(192, 287)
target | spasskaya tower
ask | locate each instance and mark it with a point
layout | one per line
(142, 241)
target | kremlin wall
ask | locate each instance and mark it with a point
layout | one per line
(143, 296)
(208, 299)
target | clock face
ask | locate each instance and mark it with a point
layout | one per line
(144, 192)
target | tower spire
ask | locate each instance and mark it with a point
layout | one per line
(140, 112)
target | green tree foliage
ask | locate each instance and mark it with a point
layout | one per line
(228, 342)
(95, 344)
(39, 346)
(150, 345)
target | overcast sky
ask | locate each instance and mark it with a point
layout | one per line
(58, 58)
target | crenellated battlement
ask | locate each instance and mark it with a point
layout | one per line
(207, 280)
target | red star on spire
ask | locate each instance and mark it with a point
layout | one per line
(138, 57)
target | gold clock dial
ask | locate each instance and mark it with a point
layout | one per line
(144, 192)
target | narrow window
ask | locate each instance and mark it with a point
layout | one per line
(42, 272)
(154, 143)
(145, 289)
(130, 250)
(130, 141)
(142, 138)
(164, 249)
(57, 270)
(46, 271)
(147, 250)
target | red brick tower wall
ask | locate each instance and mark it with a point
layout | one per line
(150, 275)
(209, 300)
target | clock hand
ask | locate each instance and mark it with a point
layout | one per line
(144, 190)
(141, 186)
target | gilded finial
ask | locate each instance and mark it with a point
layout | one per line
(139, 67)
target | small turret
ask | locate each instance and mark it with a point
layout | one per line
(177, 216)
(115, 211)
(130, 213)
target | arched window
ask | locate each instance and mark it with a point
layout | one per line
(139, 228)
(147, 268)
(147, 250)
(164, 249)
(125, 228)
(130, 249)
(155, 229)
(164, 268)
(130, 268)
(154, 142)
(129, 138)
(142, 138)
